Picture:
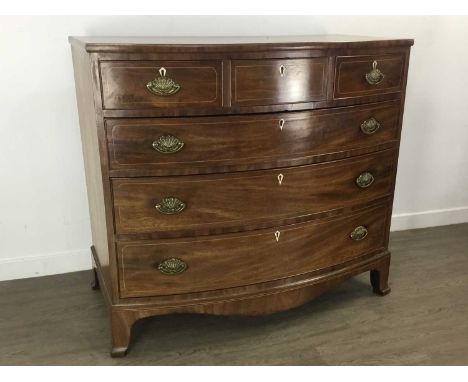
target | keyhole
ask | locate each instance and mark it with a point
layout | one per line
(277, 235)
(282, 70)
(162, 72)
(280, 178)
(281, 124)
(374, 65)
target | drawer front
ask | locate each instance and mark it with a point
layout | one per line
(357, 76)
(203, 145)
(270, 82)
(214, 203)
(161, 84)
(183, 266)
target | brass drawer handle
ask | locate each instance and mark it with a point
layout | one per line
(359, 233)
(168, 144)
(162, 85)
(170, 206)
(172, 266)
(365, 179)
(375, 76)
(370, 126)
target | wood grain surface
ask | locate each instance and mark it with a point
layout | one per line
(218, 144)
(124, 84)
(208, 44)
(220, 203)
(350, 81)
(227, 261)
(271, 82)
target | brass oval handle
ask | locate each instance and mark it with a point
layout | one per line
(170, 206)
(168, 144)
(375, 76)
(370, 126)
(162, 85)
(172, 266)
(365, 179)
(359, 233)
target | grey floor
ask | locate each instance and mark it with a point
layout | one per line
(58, 320)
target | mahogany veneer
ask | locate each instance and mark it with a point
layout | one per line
(237, 176)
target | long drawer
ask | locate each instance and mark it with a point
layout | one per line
(217, 202)
(176, 266)
(210, 144)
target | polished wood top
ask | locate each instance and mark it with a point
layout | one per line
(243, 43)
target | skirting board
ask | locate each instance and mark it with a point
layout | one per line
(45, 265)
(79, 260)
(433, 218)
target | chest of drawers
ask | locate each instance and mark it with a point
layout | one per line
(237, 176)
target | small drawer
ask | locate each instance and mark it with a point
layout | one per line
(161, 84)
(358, 76)
(206, 204)
(175, 266)
(272, 82)
(177, 146)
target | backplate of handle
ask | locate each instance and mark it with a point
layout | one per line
(162, 85)
(359, 233)
(375, 76)
(170, 206)
(171, 266)
(370, 126)
(168, 144)
(365, 179)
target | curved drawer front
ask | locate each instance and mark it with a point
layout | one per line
(357, 76)
(184, 266)
(270, 82)
(231, 201)
(161, 84)
(203, 145)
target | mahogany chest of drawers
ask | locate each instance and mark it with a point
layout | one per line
(237, 175)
